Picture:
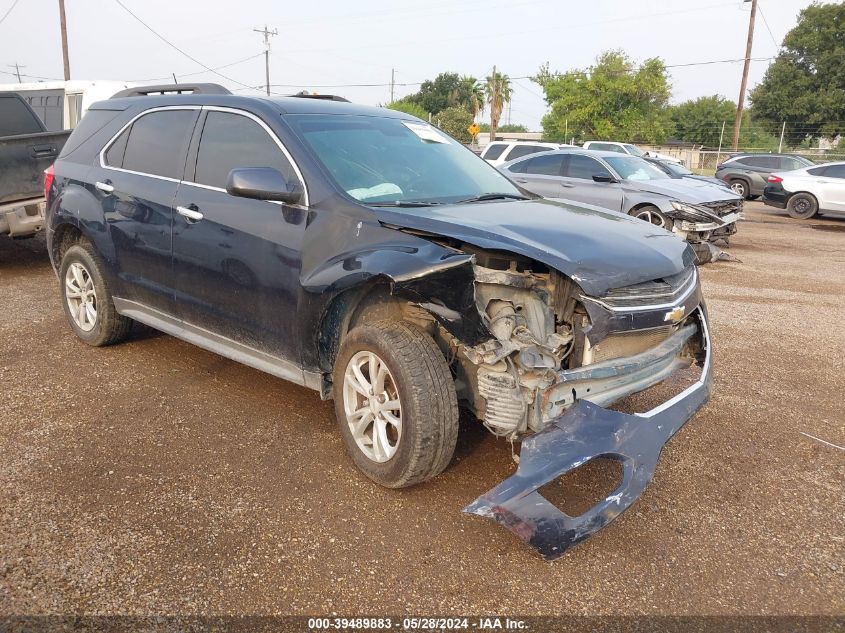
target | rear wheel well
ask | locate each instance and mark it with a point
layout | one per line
(64, 236)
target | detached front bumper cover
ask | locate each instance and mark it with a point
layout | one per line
(584, 432)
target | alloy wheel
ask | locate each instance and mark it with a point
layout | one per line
(372, 407)
(81, 297)
(651, 217)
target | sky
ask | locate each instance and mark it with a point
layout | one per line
(351, 48)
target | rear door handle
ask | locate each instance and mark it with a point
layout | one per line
(568, 185)
(191, 213)
(106, 186)
(521, 180)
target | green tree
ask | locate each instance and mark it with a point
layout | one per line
(612, 100)
(470, 96)
(438, 94)
(454, 121)
(700, 120)
(497, 92)
(408, 108)
(805, 85)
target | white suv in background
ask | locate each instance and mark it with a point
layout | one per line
(499, 152)
(628, 148)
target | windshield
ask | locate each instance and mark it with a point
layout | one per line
(391, 161)
(678, 170)
(633, 168)
(633, 149)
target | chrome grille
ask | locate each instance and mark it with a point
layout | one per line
(655, 292)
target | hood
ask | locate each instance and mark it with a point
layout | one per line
(597, 248)
(690, 190)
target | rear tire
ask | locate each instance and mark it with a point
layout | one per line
(87, 300)
(740, 187)
(417, 380)
(802, 206)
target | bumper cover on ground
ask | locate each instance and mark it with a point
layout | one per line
(584, 432)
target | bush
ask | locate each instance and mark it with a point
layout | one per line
(454, 121)
(409, 108)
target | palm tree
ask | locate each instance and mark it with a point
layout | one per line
(473, 95)
(498, 92)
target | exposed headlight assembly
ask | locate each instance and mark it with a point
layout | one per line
(693, 213)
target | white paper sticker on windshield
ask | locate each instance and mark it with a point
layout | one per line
(426, 132)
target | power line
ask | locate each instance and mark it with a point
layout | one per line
(766, 23)
(200, 72)
(176, 48)
(8, 11)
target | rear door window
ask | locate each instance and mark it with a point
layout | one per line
(788, 163)
(582, 167)
(16, 118)
(544, 165)
(232, 141)
(493, 151)
(156, 143)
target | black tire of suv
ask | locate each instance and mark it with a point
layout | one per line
(740, 187)
(109, 327)
(802, 206)
(668, 224)
(427, 395)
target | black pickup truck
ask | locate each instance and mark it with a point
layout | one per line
(26, 149)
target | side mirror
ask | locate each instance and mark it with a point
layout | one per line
(603, 177)
(263, 183)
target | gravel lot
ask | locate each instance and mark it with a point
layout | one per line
(154, 477)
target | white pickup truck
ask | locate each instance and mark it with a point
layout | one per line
(26, 149)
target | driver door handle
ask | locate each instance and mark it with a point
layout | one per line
(192, 213)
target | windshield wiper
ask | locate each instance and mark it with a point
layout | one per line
(493, 196)
(402, 204)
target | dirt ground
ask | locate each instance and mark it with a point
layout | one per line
(155, 477)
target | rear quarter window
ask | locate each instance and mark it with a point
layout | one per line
(518, 151)
(91, 123)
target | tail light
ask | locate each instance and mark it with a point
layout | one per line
(775, 179)
(48, 181)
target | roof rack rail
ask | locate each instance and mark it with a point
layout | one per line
(308, 95)
(173, 89)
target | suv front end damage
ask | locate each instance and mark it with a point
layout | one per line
(556, 358)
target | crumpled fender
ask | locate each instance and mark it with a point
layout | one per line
(584, 432)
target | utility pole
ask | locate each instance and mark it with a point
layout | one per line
(493, 128)
(63, 22)
(267, 33)
(17, 68)
(782, 131)
(392, 82)
(741, 101)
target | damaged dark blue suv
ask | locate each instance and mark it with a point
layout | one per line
(363, 253)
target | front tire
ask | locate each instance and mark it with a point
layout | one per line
(395, 403)
(802, 206)
(652, 215)
(87, 300)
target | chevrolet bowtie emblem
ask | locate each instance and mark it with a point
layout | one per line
(676, 314)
